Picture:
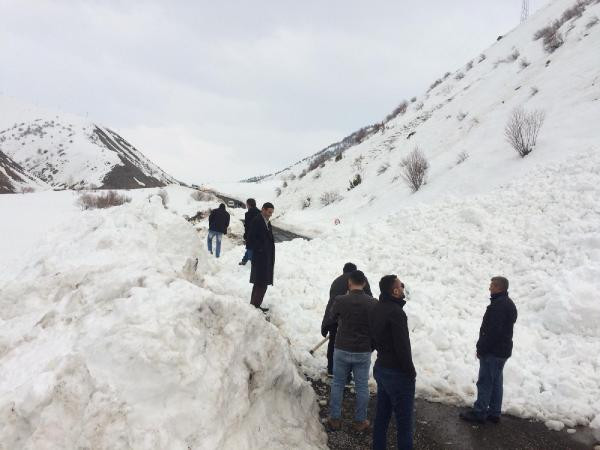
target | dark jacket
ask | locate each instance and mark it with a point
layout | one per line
(389, 328)
(260, 240)
(338, 287)
(351, 312)
(495, 335)
(248, 218)
(218, 220)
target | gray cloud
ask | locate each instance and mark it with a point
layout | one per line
(225, 90)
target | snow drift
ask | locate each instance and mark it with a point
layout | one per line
(107, 340)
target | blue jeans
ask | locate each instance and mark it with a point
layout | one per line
(344, 363)
(247, 255)
(219, 236)
(395, 394)
(489, 386)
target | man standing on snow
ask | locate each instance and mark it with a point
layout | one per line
(329, 325)
(248, 218)
(352, 351)
(494, 347)
(394, 370)
(218, 221)
(262, 243)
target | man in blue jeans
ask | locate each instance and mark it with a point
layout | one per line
(494, 347)
(352, 351)
(394, 370)
(218, 222)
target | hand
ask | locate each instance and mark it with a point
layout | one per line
(324, 332)
(477, 355)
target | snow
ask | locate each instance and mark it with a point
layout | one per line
(124, 348)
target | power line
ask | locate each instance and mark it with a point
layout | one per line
(524, 11)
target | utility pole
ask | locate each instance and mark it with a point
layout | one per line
(524, 11)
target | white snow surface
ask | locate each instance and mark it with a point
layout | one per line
(109, 340)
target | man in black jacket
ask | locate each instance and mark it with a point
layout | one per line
(328, 325)
(262, 243)
(218, 222)
(494, 347)
(394, 370)
(352, 350)
(248, 218)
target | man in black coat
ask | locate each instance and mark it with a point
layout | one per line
(262, 243)
(218, 222)
(329, 324)
(394, 370)
(248, 218)
(494, 347)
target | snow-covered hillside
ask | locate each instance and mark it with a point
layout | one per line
(459, 126)
(14, 178)
(108, 338)
(66, 151)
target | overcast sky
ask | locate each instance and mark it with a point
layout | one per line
(231, 89)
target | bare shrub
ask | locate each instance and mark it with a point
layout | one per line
(355, 181)
(317, 175)
(459, 76)
(399, 110)
(435, 84)
(338, 157)
(414, 169)
(461, 116)
(414, 99)
(284, 185)
(462, 157)
(101, 201)
(277, 192)
(533, 91)
(446, 75)
(482, 58)
(164, 196)
(551, 37)
(27, 190)
(306, 203)
(593, 21)
(524, 63)
(522, 130)
(419, 106)
(383, 168)
(318, 161)
(358, 163)
(302, 174)
(469, 66)
(576, 10)
(329, 197)
(512, 57)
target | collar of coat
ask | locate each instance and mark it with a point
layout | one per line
(498, 295)
(385, 297)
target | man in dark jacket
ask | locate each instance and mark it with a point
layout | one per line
(218, 222)
(260, 240)
(328, 325)
(352, 351)
(248, 218)
(494, 347)
(394, 370)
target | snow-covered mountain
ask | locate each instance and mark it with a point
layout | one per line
(551, 64)
(14, 178)
(67, 151)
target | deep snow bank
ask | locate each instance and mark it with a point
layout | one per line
(107, 341)
(542, 232)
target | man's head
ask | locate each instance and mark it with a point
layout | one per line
(222, 206)
(498, 285)
(251, 203)
(391, 285)
(349, 267)
(267, 210)
(357, 280)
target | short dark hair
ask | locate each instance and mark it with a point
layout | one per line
(251, 202)
(222, 206)
(349, 267)
(268, 205)
(501, 282)
(357, 277)
(386, 284)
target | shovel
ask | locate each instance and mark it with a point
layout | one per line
(316, 347)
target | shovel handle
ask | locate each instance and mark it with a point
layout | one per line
(316, 347)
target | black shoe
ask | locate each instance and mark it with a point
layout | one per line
(265, 310)
(470, 416)
(242, 263)
(494, 419)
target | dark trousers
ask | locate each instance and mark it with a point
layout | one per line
(489, 386)
(330, 349)
(258, 294)
(395, 394)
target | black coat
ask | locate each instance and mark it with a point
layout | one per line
(260, 240)
(389, 329)
(351, 312)
(218, 220)
(248, 218)
(495, 335)
(338, 287)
